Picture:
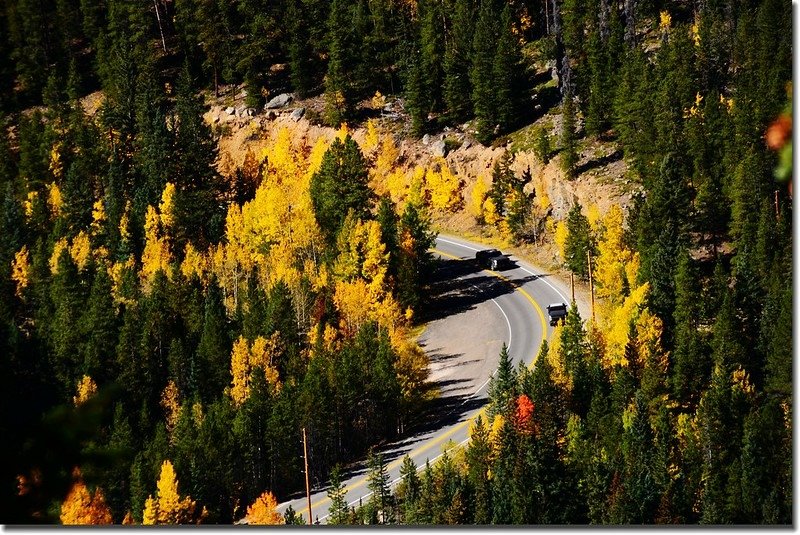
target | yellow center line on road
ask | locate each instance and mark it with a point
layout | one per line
(430, 444)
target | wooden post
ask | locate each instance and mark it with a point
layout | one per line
(308, 488)
(572, 282)
(591, 284)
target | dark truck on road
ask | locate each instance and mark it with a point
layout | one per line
(492, 259)
(557, 312)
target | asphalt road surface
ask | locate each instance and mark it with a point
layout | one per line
(474, 312)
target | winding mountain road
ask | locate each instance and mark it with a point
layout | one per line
(474, 312)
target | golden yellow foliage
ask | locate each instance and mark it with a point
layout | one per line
(343, 132)
(54, 199)
(80, 250)
(116, 272)
(193, 262)
(560, 238)
(316, 155)
(556, 359)
(124, 222)
(740, 380)
(443, 187)
(695, 33)
(385, 176)
(417, 194)
(240, 371)
(352, 301)
(649, 329)
(616, 266)
(58, 247)
(98, 216)
(168, 507)
(56, 163)
(170, 402)
(82, 508)
(27, 204)
(397, 185)
(490, 214)
(594, 217)
(86, 389)
(21, 270)
(263, 511)
(618, 329)
(664, 20)
(494, 434)
(246, 357)
(156, 255)
(478, 196)
(371, 138)
(167, 206)
(263, 353)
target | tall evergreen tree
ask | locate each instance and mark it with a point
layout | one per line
(457, 90)
(481, 73)
(340, 185)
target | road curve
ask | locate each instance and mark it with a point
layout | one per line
(484, 310)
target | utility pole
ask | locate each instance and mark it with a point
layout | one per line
(591, 284)
(572, 282)
(308, 488)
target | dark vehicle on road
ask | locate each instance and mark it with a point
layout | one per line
(557, 312)
(492, 259)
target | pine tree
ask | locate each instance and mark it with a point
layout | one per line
(199, 217)
(478, 465)
(579, 242)
(691, 363)
(457, 90)
(337, 511)
(340, 185)
(408, 492)
(481, 73)
(502, 386)
(378, 484)
(507, 73)
(341, 85)
(214, 347)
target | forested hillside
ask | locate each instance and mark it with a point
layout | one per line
(167, 329)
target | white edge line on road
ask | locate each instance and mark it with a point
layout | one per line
(397, 480)
(529, 272)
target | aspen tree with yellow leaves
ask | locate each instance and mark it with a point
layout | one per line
(168, 507)
(21, 270)
(156, 255)
(82, 507)
(263, 511)
(85, 390)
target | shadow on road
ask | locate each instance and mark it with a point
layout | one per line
(459, 285)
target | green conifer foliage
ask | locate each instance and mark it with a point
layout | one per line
(481, 73)
(579, 242)
(340, 185)
(457, 90)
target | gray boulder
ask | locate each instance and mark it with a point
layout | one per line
(279, 102)
(297, 114)
(439, 148)
(426, 139)
(250, 112)
(230, 110)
